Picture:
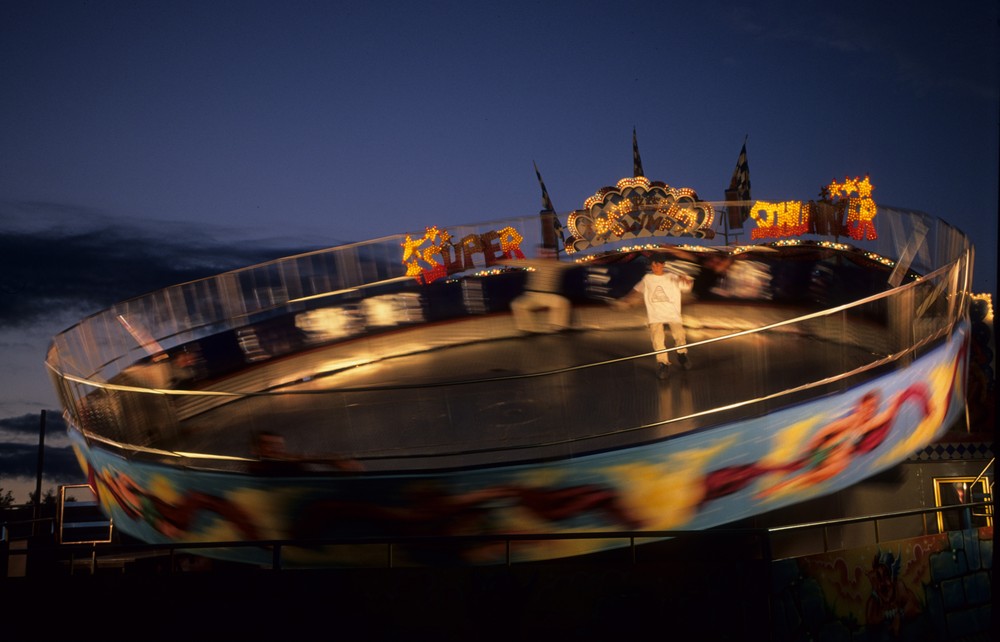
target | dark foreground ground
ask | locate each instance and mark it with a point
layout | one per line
(682, 590)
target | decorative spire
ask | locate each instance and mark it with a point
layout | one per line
(739, 191)
(636, 161)
(552, 229)
(546, 201)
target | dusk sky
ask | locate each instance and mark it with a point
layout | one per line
(147, 143)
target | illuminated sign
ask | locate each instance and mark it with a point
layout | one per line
(638, 208)
(436, 255)
(846, 209)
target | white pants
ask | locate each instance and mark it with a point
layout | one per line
(525, 307)
(658, 338)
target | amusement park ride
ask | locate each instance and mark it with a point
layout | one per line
(384, 388)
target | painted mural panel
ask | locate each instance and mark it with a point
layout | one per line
(935, 587)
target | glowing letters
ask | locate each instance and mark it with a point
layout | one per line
(850, 200)
(436, 255)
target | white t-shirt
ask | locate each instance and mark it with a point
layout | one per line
(662, 294)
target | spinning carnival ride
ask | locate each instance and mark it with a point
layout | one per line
(410, 403)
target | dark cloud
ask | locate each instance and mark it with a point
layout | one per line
(57, 260)
(21, 459)
(28, 424)
(42, 270)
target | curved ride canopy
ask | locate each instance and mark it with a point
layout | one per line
(406, 398)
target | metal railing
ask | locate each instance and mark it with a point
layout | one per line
(760, 538)
(874, 520)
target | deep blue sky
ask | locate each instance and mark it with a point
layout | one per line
(170, 125)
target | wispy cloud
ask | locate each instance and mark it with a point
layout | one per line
(822, 30)
(84, 261)
(19, 458)
(59, 263)
(29, 424)
(918, 52)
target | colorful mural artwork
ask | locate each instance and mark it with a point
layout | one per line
(828, 451)
(689, 481)
(934, 587)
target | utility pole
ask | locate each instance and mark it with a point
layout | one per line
(38, 475)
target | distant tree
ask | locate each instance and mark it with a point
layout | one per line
(48, 499)
(6, 498)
